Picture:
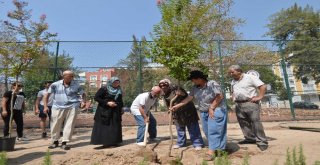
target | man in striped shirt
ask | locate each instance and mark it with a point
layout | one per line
(67, 95)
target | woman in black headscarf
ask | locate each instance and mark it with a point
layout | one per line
(107, 129)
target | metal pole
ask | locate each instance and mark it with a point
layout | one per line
(284, 69)
(222, 73)
(140, 69)
(56, 62)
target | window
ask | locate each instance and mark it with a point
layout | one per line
(93, 78)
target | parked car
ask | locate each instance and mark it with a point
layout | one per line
(305, 105)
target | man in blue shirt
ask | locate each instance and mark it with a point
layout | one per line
(66, 101)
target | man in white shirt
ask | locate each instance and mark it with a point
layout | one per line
(247, 91)
(140, 108)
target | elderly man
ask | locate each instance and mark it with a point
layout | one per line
(140, 108)
(213, 112)
(247, 91)
(66, 101)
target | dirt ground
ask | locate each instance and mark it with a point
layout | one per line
(82, 153)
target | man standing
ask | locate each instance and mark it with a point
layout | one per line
(247, 91)
(140, 108)
(39, 108)
(213, 112)
(66, 101)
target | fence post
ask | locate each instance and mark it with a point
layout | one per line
(222, 74)
(284, 69)
(140, 69)
(56, 61)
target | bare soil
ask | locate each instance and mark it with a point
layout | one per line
(82, 153)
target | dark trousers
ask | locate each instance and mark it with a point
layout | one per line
(18, 119)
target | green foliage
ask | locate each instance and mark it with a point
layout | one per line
(177, 161)
(276, 162)
(181, 37)
(3, 158)
(47, 158)
(222, 158)
(302, 26)
(246, 159)
(317, 162)
(292, 157)
(204, 162)
(144, 161)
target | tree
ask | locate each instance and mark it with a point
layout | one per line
(185, 32)
(18, 56)
(301, 25)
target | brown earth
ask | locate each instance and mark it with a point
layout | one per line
(280, 139)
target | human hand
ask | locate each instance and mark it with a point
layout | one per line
(4, 113)
(111, 104)
(146, 120)
(211, 113)
(45, 110)
(255, 99)
(37, 111)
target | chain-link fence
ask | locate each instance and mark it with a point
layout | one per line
(289, 69)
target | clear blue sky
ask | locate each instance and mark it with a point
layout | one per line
(109, 20)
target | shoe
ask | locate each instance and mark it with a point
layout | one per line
(55, 144)
(141, 144)
(263, 147)
(64, 146)
(44, 134)
(208, 157)
(61, 133)
(154, 139)
(19, 139)
(198, 148)
(247, 142)
(176, 146)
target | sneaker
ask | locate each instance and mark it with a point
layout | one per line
(263, 147)
(176, 146)
(22, 139)
(64, 146)
(154, 139)
(55, 144)
(141, 144)
(247, 142)
(198, 148)
(44, 134)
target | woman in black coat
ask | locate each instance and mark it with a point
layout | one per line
(107, 129)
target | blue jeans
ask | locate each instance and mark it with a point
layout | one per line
(194, 132)
(152, 130)
(215, 129)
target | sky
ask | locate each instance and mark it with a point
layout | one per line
(119, 20)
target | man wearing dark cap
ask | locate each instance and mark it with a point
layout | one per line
(39, 107)
(213, 111)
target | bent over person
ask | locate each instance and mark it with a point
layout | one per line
(67, 95)
(140, 108)
(184, 117)
(247, 91)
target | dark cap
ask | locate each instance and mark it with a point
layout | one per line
(197, 74)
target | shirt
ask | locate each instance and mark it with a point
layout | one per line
(245, 88)
(65, 97)
(41, 95)
(143, 99)
(17, 100)
(205, 96)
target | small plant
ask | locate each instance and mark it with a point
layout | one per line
(292, 157)
(276, 162)
(143, 162)
(317, 162)
(3, 158)
(204, 162)
(177, 161)
(47, 159)
(246, 159)
(222, 158)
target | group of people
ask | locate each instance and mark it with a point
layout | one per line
(61, 99)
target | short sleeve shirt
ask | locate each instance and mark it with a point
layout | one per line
(17, 100)
(246, 88)
(205, 96)
(41, 95)
(143, 99)
(65, 97)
